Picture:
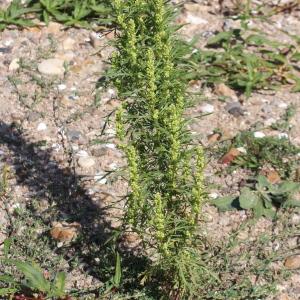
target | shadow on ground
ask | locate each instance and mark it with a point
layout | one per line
(46, 179)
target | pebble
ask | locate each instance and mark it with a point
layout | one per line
(267, 109)
(82, 153)
(61, 87)
(282, 105)
(225, 91)
(213, 195)
(68, 44)
(95, 39)
(292, 262)
(259, 134)
(41, 127)
(207, 108)
(74, 135)
(113, 166)
(235, 109)
(194, 20)
(14, 65)
(283, 135)
(110, 132)
(33, 116)
(99, 178)
(5, 50)
(295, 219)
(242, 150)
(52, 66)
(86, 162)
(270, 121)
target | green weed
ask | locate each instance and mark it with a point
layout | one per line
(272, 152)
(246, 61)
(263, 197)
(69, 12)
(165, 169)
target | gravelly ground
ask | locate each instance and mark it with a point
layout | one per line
(55, 133)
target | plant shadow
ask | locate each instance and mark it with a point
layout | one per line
(35, 168)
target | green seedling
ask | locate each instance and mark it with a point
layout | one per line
(263, 198)
(274, 152)
(35, 281)
(246, 61)
(68, 12)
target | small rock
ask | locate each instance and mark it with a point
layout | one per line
(14, 65)
(230, 156)
(235, 109)
(113, 166)
(194, 20)
(259, 134)
(95, 40)
(213, 138)
(52, 66)
(74, 135)
(242, 150)
(5, 50)
(42, 127)
(283, 135)
(213, 195)
(282, 105)
(266, 109)
(33, 116)
(225, 91)
(292, 262)
(270, 122)
(65, 232)
(86, 162)
(283, 297)
(68, 43)
(82, 153)
(295, 219)
(61, 87)
(100, 177)
(207, 108)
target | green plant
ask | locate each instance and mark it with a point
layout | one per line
(35, 281)
(246, 61)
(69, 12)
(263, 197)
(165, 169)
(274, 152)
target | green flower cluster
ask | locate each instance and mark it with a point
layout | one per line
(165, 168)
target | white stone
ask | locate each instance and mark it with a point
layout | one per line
(8, 43)
(282, 105)
(86, 162)
(99, 178)
(270, 121)
(283, 135)
(213, 195)
(111, 92)
(207, 108)
(110, 132)
(41, 127)
(242, 150)
(14, 65)
(259, 134)
(113, 166)
(68, 43)
(195, 20)
(61, 87)
(110, 146)
(52, 66)
(82, 153)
